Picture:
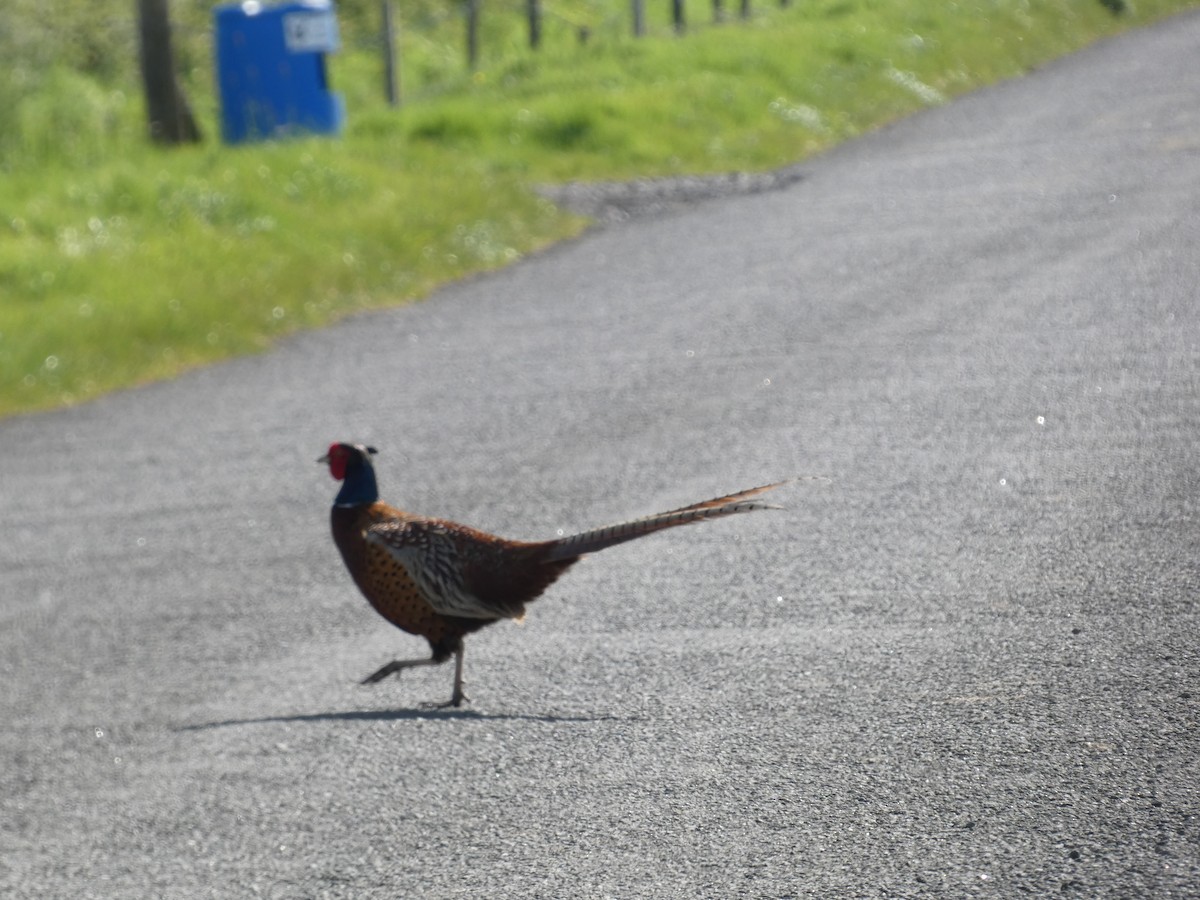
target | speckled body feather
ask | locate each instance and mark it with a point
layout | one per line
(438, 579)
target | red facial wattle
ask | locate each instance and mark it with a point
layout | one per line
(337, 461)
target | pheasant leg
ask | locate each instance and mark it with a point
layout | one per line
(459, 695)
(397, 665)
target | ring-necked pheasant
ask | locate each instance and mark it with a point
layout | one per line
(442, 580)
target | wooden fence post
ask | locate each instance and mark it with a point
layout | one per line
(391, 78)
(639, 18)
(170, 117)
(678, 17)
(472, 34)
(533, 9)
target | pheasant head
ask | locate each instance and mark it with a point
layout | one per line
(351, 465)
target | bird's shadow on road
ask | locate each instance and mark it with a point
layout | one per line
(397, 715)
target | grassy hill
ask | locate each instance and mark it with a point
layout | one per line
(122, 262)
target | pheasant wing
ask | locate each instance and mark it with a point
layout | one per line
(432, 553)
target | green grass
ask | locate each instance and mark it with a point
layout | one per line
(121, 262)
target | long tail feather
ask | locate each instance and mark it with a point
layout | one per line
(600, 538)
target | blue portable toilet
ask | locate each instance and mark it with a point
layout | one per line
(271, 70)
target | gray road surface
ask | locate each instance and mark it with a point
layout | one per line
(965, 667)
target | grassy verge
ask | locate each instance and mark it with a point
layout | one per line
(120, 263)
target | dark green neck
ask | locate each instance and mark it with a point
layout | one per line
(359, 488)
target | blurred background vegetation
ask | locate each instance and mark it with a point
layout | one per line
(71, 87)
(122, 261)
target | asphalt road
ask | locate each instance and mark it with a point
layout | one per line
(967, 666)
